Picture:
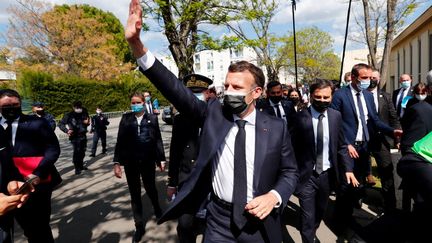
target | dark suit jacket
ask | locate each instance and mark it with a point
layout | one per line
(35, 137)
(288, 107)
(387, 114)
(395, 94)
(126, 147)
(303, 141)
(343, 101)
(416, 123)
(183, 149)
(274, 168)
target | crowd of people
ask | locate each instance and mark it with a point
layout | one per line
(235, 160)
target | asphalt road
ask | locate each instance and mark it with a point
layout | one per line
(95, 206)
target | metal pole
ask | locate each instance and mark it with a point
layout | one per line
(293, 4)
(345, 40)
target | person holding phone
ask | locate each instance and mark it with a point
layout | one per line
(139, 148)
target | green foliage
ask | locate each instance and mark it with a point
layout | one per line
(59, 94)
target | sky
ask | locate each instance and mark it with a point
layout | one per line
(329, 15)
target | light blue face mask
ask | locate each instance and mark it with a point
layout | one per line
(200, 96)
(147, 99)
(405, 84)
(364, 84)
(137, 108)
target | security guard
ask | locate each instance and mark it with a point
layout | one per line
(183, 153)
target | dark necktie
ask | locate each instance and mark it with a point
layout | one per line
(362, 118)
(278, 113)
(240, 185)
(319, 145)
(8, 133)
(399, 104)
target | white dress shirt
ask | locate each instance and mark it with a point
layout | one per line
(326, 135)
(14, 127)
(278, 106)
(359, 136)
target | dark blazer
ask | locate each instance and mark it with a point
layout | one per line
(288, 107)
(303, 141)
(343, 101)
(416, 123)
(387, 114)
(274, 168)
(183, 149)
(395, 94)
(35, 137)
(126, 147)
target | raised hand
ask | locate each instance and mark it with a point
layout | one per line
(133, 29)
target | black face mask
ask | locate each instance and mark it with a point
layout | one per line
(235, 103)
(294, 100)
(11, 113)
(40, 112)
(275, 99)
(373, 83)
(320, 106)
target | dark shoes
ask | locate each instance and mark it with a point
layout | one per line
(104, 151)
(92, 155)
(77, 171)
(138, 234)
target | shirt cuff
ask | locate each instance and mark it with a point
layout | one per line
(146, 61)
(278, 197)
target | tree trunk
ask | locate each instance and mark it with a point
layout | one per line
(372, 45)
(391, 22)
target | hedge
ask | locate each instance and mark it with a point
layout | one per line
(58, 94)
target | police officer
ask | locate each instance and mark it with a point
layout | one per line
(75, 124)
(183, 153)
(99, 123)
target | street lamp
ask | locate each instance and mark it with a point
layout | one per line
(293, 6)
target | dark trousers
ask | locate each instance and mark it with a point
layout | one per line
(135, 171)
(189, 227)
(96, 136)
(349, 196)
(79, 147)
(34, 217)
(6, 228)
(220, 229)
(313, 203)
(385, 172)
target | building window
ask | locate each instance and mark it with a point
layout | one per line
(404, 61)
(410, 60)
(197, 67)
(419, 59)
(398, 65)
(210, 66)
(430, 51)
(197, 58)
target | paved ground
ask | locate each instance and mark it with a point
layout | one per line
(95, 206)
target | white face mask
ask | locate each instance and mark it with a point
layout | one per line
(98, 111)
(421, 97)
(77, 110)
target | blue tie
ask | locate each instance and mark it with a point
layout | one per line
(362, 118)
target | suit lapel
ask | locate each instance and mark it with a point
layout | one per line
(307, 121)
(261, 140)
(333, 135)
(351, 100)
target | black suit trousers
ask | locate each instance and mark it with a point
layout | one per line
(34, 217)
(189, 227)
(313, 203)
(385, 172)
(135, 171)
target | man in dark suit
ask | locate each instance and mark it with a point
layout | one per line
(322, 157)
(416, 170)
(380, 144)
(359, 116)
(33, 137)
(183, 154)
(249, 182)
(38, 109)
(99, 123)
(399, 95)
(139, 148)
(274, 105)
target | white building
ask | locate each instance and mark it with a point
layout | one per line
(214, 64)
(6, 76)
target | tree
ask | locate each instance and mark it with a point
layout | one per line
(80, 40)
(376, 15)
(315, 56)
(180, 21)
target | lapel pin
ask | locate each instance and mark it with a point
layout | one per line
(265, 130)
